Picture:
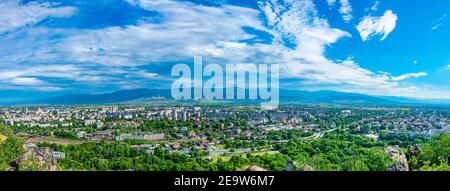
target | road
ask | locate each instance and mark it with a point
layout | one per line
(319, 135)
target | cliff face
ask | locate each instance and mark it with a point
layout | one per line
(294, 166)
(254, 168)
(35, 159)
(397, 155)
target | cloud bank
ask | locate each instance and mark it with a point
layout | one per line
(291, 33)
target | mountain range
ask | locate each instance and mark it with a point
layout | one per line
(286, 96)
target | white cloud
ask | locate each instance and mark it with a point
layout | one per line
(346, 10)
(49, 89)
(439, 22)
(311, 36)
(111, 55)
(375, 6)
(188, 28)
(13, 14)
(307, 62)
(331, 2)
(27, 81)
(371, 26)
(31, 77)
(436, 26)
(294, 23)
(410, 75)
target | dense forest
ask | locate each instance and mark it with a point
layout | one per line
(337, 151)
(334, 152)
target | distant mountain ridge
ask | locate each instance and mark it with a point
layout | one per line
(286, 96)
(114, 97)
(334, 97)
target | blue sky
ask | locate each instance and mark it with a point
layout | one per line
(377, 47)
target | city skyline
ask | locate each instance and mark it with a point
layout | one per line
(390, 48)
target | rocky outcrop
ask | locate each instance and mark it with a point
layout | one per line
(295, 166)
(291, 166)
(35, 159)
(397, 155)
(413, 151)
(255, 168)
(306, 168)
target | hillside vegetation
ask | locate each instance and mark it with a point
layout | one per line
(10, 147)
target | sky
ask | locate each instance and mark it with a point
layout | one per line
(374, 47)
